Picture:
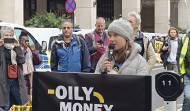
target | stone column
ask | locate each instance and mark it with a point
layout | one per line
(11, 11)
(183, 13)
(162, 16)
(85, 14)
(19, 12)
(130, 5)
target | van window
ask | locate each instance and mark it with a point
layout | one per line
(51, 42)
(32, 40)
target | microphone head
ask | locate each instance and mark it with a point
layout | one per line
(111, 46)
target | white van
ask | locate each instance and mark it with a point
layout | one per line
(43, 34)
(34, 38)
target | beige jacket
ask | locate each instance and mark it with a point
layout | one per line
(149, 54)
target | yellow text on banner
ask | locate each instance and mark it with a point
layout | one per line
(158, 45)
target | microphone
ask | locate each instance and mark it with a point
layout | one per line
(111, 47)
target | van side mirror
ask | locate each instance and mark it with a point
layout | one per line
(44, 47)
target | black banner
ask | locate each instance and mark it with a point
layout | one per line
(53, 91)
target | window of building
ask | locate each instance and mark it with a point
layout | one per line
(29, 9)
(105, 8)
(57, 7)
(147, 15)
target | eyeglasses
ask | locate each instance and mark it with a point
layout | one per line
(66, 28)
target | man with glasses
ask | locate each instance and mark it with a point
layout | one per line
(69, 52)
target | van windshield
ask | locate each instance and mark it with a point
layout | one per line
(32, 40)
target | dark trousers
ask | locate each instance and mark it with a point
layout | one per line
(13, 88)
(27, 81)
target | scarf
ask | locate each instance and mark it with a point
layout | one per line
(13, 53)
(173, 38)
(28, 67)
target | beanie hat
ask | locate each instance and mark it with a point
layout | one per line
(121, 27)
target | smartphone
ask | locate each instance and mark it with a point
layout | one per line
(9, 40)
(100, 41)
(27, 41)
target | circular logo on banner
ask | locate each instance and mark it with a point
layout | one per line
(70, 6)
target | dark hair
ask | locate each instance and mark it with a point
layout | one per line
(23, 33)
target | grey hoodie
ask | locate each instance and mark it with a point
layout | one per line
(134, 65)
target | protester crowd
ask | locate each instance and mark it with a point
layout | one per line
(122, 50)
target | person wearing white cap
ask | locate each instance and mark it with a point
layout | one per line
(126, 59)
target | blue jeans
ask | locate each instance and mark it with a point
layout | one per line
(186, 101)
(13, 88)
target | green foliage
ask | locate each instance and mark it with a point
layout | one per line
(181, 30)
(108, 22)
(45, 19)
(77, 27)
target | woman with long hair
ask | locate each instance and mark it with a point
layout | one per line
(126, 59)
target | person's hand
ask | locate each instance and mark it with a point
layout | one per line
(32, 47)
(165, 48)
(1, 41)
(11, 109)
(31, 91)
(107, 65)
(25, 45)
(98, 45)
(16, 42)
